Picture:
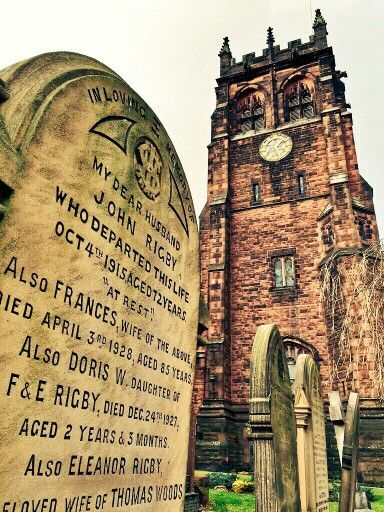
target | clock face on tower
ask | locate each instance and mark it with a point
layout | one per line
(275, 147)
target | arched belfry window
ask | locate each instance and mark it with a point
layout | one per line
(298, 101)
(250, 111)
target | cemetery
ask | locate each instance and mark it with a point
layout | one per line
(134, 376)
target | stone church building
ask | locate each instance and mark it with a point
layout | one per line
(284, 196)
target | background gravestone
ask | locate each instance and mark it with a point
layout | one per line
(311, 440)
(336, 415)
(272, 424)
(99, 294)
(350, 455)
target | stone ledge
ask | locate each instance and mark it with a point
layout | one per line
(286, 126)
(214, 268)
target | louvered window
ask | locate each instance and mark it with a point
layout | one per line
(298, 102)
(250, 113)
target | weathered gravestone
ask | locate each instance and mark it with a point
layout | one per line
(347, 437)
(350, 455)
(193, 500)
(99, 294)
(272, 424)
(311, 440)
(336, 415)
(361, 502)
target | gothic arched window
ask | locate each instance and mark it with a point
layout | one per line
(250, 112)
(298, 102)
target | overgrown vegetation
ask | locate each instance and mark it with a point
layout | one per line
(244, 501)
(221, 479)
(226, 501)
(240, 486)
(352, 291)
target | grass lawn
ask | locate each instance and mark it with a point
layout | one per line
(378, 504)
(226, 501)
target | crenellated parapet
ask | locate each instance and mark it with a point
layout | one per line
(273, 55)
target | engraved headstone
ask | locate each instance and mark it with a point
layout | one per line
(272, 425)
(311, 440)
(191, 503)
(99, 294)
(350, 455)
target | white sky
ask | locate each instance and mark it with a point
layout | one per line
(167, 51)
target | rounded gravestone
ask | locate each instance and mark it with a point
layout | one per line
(99, 294)
(311, 439)
(272, 424)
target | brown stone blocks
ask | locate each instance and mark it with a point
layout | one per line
(240, 236)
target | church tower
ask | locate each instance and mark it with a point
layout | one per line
(284, 196)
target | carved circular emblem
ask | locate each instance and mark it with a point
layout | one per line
(275, 147)
(148, 167)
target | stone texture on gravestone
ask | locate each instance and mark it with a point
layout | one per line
(311, 440)
(361, 502)
(350, 455)
(336, 415)
(202, 328)
(272, 425)
(191, 502)
(99, 294)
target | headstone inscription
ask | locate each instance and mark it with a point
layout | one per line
(99, 295)
(272, 425)
(311, 440)
(350, 455)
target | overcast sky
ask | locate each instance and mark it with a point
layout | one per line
(167, 51)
